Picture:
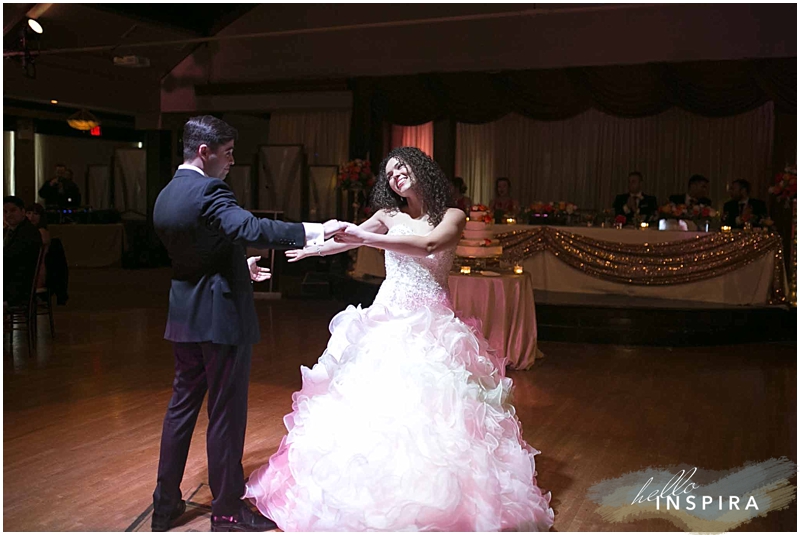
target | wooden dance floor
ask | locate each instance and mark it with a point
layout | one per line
(82, 418)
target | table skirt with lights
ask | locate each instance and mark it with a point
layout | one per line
(733, 268)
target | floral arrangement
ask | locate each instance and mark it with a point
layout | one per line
(748, 217)
(785, 186)
(681, 211)
(488, 218)
(355, 175)
(550, 209)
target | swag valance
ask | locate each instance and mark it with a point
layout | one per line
(708, 88)
(654, 264)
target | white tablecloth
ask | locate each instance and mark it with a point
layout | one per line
(749, 285)
(507, 312)
(91, 245)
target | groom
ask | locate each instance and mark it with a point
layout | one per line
(212, 320)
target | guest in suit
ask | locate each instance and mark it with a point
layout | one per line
(21, 244)
(741, 208)
(635, 203)
(697, 194)
(212, 319)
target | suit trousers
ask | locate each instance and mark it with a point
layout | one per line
(224, 372)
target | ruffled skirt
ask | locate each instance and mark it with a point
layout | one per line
(404, 424)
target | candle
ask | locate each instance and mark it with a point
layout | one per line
(725, 228)
(466, 270)
(511, 220)
(518, 269)
(643, 225)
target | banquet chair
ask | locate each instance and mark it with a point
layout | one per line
(24, 316)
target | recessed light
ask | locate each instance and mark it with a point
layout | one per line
(35, 26)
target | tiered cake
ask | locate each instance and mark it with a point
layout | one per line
(478, 239)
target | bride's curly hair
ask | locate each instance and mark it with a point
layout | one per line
(434, 187)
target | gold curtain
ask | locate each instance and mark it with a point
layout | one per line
(663, 263)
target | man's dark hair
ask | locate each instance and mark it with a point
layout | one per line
(13, 199)
(208, 130)
(636, 173)
(697, 178)
(743, 184)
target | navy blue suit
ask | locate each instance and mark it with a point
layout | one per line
(212, 323)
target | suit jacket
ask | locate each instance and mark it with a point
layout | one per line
(647, 206)
(20, 254)
(205, 233)
(680, 198)
(731, 211)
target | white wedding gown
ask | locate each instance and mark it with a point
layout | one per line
(404, 424)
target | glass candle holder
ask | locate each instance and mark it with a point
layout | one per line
(644, 225)
(466, 270)
(725, 228)
(518, 269)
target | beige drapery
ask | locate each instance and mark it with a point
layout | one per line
(586, 159)
(325, 134)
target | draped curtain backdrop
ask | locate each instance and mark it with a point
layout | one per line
(325, 134)
(575, 133)
(413, 136)
(586, 159)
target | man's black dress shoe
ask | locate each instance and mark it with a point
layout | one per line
(163, 521)
(245, 520)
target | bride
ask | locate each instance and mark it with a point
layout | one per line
(405, 422)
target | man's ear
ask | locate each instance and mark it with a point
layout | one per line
(203, 151)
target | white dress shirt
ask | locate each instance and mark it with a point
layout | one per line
(315, 234)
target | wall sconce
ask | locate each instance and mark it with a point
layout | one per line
(466, 270)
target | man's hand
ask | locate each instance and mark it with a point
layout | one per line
(632, 204)
(352, 234)
(333, 227)
(257, 273)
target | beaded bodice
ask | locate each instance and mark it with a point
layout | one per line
(412, 282)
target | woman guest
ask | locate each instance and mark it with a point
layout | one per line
(37, 216)
(503, 205)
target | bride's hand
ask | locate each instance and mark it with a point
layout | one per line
(298, 254)
(352, 234)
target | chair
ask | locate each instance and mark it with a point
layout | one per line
(44, 306)
(26, 314)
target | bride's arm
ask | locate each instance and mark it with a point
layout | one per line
(445, 235)
(374, 224)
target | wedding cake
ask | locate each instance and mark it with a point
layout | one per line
(478, 240)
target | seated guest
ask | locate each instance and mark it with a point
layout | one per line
(698, 193)
(503, 204)
(459, 189)
(61, 191)
(20, 252)
(635, 203)
(37, 216)
(741, 208)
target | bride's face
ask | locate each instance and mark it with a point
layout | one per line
(400, 177)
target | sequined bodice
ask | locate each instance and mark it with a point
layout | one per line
(412, 282)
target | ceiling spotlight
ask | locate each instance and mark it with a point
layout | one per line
(35, 26)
